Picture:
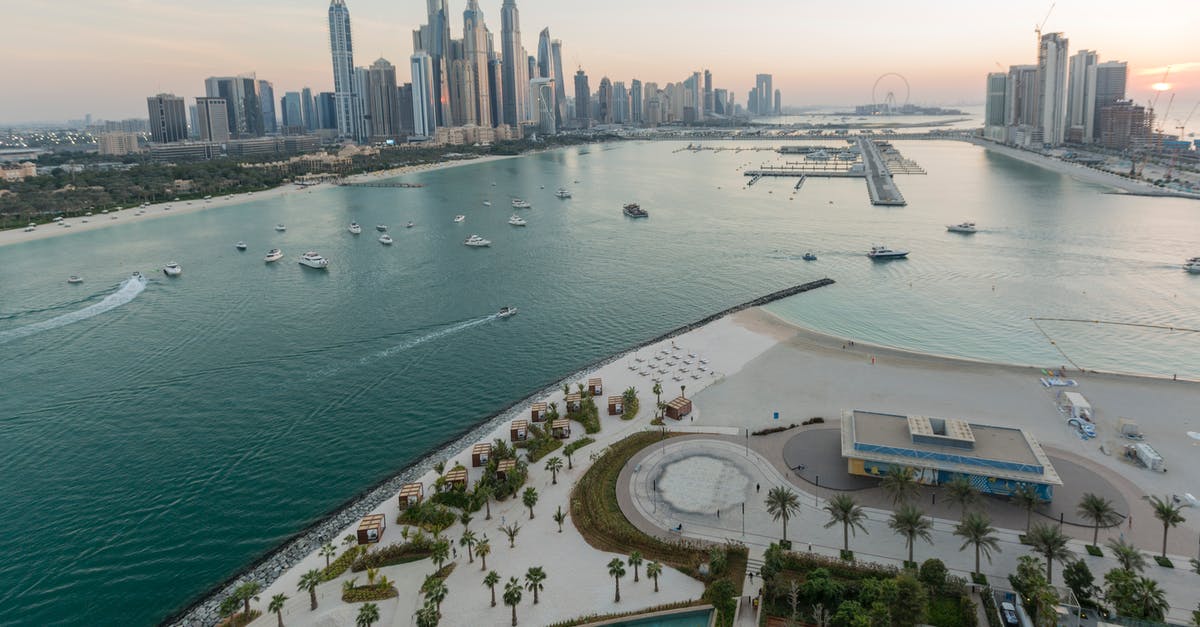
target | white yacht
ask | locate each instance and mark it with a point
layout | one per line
(517, 220)
(883, 252)
(506, 312)
(386, 239)
(240, 245)
(819, 155)
(409, 225)
(74, 279)
(487, 203)
(313, 260)
(280, 227)
(1192, 265)
(354, 228)
(172, 269)
(382, 228)
(961, 227)
(562, 193)
(459, 218)
(273, 255)
(517, 203)
(477, 241)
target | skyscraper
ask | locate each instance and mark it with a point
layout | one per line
(541, 89)
(266, 98)
(544, 61)
(385, 109)
(778, 102)
(242, 105)
(362, 105)
(496, 87)
(653, 105)
(423, 104)
(1110, 89)
(515, 63)
(1081, 96)
(461, 82)
(342, 49)
(168, 118)
(708, 94)
(211, 118)
(620, 103)
(326, 111)
(560, 81)
(635, 101)
(308, 108)
(720, 96)
(475, 53)
(604, 95)
(1052, 81)
(404, 103)
(433, 38)
(997, 97)
(292, 107)
(583, 95)
(763, 91)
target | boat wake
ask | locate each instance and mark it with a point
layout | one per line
(411, 343)
(127, 292)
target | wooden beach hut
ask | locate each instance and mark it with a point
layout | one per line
(370, 529)
(411, 494)
(480, 453)
(615, 405)
(504, 467)
(678, 408)
(561, 428)
(537, 412)
(574, 402)
(595, 387)
(518, 431)
(457, 477)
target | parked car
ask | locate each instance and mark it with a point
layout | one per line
(1009, 613)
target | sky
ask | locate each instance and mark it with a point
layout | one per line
(67, 58)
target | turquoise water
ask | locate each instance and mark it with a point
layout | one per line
(688, 619)
(156, 440)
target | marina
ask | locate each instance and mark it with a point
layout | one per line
(874, 168)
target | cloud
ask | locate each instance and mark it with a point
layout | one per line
(1175, 68)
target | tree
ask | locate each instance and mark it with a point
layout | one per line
(309, 581)
(469, 540)
(328, 551)
(465, 518)
(533, 581)
(900, 483)
(246, 593)
(368, 615)
(723, 595)
(530, 498)
(851, 614)
(635, 560)
(436, 591)
(1100, 511)
(560, 517)
(654, 571)
(1079, 579)
(657, 389)
(484, 491)
(490, 581)
(1051, 542)
(554, 464)
(229, 606)
(276, 607)
(960, 492)
(819, 588)
(1133, 596)
(428, 615)
(511, 531)
(616, 570)
(845, 510)
(909, 523)
(782, 504)
(1036, 594)
(910, 605)
(1169, 514)
(512, 596)
(349, 539)
(1026, 497)
(483, 548)
(441, 553)
(933, 574)
(1130, 558)
(976, 529)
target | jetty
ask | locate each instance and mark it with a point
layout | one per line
(874, 167)
(393, 185)
(880, 184)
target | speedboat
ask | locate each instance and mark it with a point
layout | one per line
(354, 228)
(280, 227)
(382, 228)
(506, 312)
(634, 210)
(809, 257)
(137, 275)
(273, 255)
(459, 218)
(172, 269)
(487, 203)
(1192, 265)
(477, 241)
(562, 193)
(961, 227)
(883, 252)
(313, 260)
(385, 239)
(516, 220)
(517, 203)
(240, 245)
(74, 279)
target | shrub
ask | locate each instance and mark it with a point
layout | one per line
(1164, 562)
(815, 420)
(541, 447)
(947, 611)
(429, 516)
(577, 444)
(770, 430)
(362, 594)
(1094, 550)
(630, 406)
(343, 561)
(457, 498)
(979, 578)
(846, 555)
(391, 555)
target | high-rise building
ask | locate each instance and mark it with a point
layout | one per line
(515, 65)
(292, 108)
(1124, 125)
(720, 96)
(193, 123)
(542, 91)
(385, 109)
(1022, 96)
(308, 108)
(168, 119)
(475, 53)
(604, 114)
(708, 94)
(620, 107)
(117, 143)
(212, 119)
(496, 87)
(461, 82)
(1052, 97)
(560, 81)
(326, 111)
(652, 114)
(995, 115)
(778, 102)
(752, 102)
(423, 104)
(545, 62)
(362, 105)
(583, 95)
(763, 91)
(1110, 88)
(266, 98)
(242, 104)
(342, 49)
(636, 106)
(433, 39)
(405, 104)
(1081, 96)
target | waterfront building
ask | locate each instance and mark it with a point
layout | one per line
(168, 120)
(326, 111)
(308, 109)
(17, 171)
(475, 54)
(763, 92)
(384, 106)
(193, 123)
(560, 81)
(995, 114)
(514, 66)
(461, 84)
(1021, 104)
(1110, 88)
(496, 89)
(1124, 125)
(582, 96)
(1081, 97)
(117, 143)
(433, 38)
(345, 108)
(635, 101)
(652, 97)
(544, 106)
(720, 100)
(405, 105)
(752, 102)
(243, 108)
(778, 102)
(620, 103)
(708, 94)
(544, 60)
(292, 108)
(266, 98)
(1052, 81)
(361, 105)
(604, 97)
(423, 105)
(212, 120)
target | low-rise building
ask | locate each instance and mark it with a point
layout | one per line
(17, 171)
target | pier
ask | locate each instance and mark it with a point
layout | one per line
(393, 185)
(874, 162)
(880, 184)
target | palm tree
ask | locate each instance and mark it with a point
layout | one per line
(533, 581)
(976, 528)
(484, 490)
(437, 592)
(511, 531)
(1169, 514)
(616, 570)
(441, 553)
(843, 509)
(248, 592)
(1150, 599)
(469, 540)
(1026, 497)
(960, 492)
(1051, 542)
(428, 615)
(483, 548)
(1130, 558)
(657, 389)
(554, 464)
(559, 517)
(327, 552)
(368, 615)
(635, 560)
(465, 518)
(566, 389)
(782, 503)
(654, 571)
(349, 539)
(512, 596)
(900, 483)
(490, 581)
(276, 606)
(530, 498)
(309, 581)
(682, 389)
(1100, 511)
(908, 522)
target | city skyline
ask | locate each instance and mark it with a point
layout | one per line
(151, 48)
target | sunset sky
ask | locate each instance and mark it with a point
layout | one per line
(66, 58)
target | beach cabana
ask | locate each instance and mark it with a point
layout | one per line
(561, 428)
(504, 467)
(518, 431)
(615, 405)
(679, 407)
(574, 402)
(480, 453)
(457, 477)
(595, 387)
(411, 494)
(537, 412)
(371, 529)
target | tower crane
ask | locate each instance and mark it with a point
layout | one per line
(1038, 29)
(1182, 128)
(1135, 170)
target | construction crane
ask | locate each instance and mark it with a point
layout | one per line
(1182, 129)
(1038, 29)
(1135, 170)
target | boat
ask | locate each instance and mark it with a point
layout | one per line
(516, 220)
(313, 260)
(382, 228)
(459, 218)
(409, 225)
(280, 227)
(506, 312)
(240, 245)
(1192, 265)
(385, 239)
(819, 155)
(635, 210)
(883, 252)
(354, 228)
(809, 257)
(517, 203)
(477, 241)
(74, 279)
(273, 255)
(172, 269)
(487, 203)
(562, 193)
(137, 275)
(961, 227)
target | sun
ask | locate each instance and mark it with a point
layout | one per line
(1160, 86)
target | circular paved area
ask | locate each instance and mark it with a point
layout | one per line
(701, 484)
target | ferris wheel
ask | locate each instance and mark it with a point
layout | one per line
(885, 93)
